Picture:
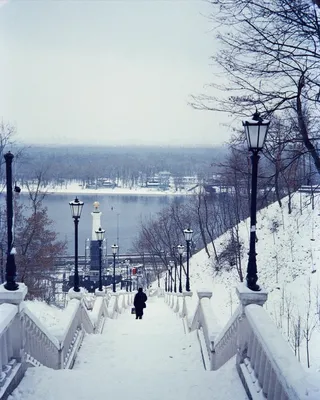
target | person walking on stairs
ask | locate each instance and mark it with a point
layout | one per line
(140, 303)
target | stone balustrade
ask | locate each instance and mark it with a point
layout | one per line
(266, 364)
(24, 340)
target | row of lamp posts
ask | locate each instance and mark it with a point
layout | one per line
(76, 209)
(256, 131)
(172, 264)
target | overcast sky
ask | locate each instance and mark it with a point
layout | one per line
(107, 72)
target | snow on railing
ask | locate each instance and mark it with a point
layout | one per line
(221, 346)
(73, 335)
(44, 348)
(225, 344)
(40, 345)
(112, 305)
(86, 320)
(99, 314)
(11, 348)
(89, 300)
(265, 362)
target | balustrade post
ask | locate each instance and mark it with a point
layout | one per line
(246, 297)
(13, 297)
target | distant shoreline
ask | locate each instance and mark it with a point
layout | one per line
(110, 192)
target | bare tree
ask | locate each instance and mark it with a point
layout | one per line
(309, 322)
(270, 57)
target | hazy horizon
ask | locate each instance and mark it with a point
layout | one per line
(107, 72)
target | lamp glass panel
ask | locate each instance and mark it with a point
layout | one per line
(114, 248)
(180, 249)
(100, 234)
(76, 208)
(188, 234)
(253, 135)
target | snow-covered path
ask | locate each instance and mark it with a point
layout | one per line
(148, 359)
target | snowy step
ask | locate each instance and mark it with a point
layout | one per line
(44, 383)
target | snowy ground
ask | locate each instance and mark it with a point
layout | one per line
(288, 261)
(75, 187)
(149, 359)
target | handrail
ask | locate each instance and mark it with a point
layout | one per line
(86, 320)
(72, 335)
(99, 313)
(225, 344)
(39, 343)
(267, 363)
(8, 315)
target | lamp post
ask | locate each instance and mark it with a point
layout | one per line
(100, 233)
(166, 282)
(76, 208)
(180, 248)
(256, 131)
(127, 265)
(188, 236)
(114, 248)
(11, 265)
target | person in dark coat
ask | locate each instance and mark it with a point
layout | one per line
(140, 303)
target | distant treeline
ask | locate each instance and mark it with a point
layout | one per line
(127, 164)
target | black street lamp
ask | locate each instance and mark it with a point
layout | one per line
(166, 282)
(100, 233)
(127, 280)
(114, 248)
(188, 237)
(256, 133)
(180, 248)
(11, 265)
(76, 208)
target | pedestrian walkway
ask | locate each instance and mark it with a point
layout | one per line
(148, 359)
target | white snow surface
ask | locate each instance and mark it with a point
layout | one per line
(76, 188)
(54, 319)
(148, 359)
(288, 263)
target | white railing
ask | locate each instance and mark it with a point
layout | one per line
(265, 362)
(99, 314)
(25, 341)
(220, 345)
(41, 347)
(113, 306)
(44, 348)
(11, 349)
(70, 341)
(226, 343)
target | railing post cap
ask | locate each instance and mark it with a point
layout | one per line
(187, 294)
(13, 296)
(204, 293)
(76, 295)
(247, 296)
(98, 293)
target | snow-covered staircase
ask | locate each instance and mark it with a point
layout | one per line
(149, 359)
